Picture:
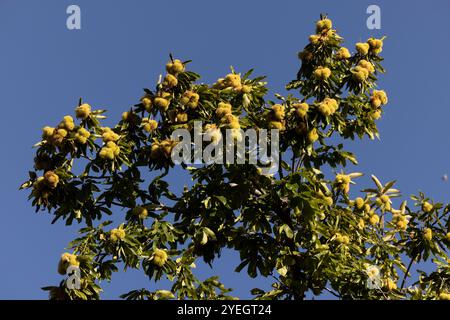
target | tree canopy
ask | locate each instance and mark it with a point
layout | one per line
(306, 227)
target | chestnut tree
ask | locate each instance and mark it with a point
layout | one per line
(306, 227)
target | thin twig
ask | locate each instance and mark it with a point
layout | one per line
(333, 293)
(293, 163)
(407, 271)
(280, 168)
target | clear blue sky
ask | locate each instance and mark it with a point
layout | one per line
(123, 46)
